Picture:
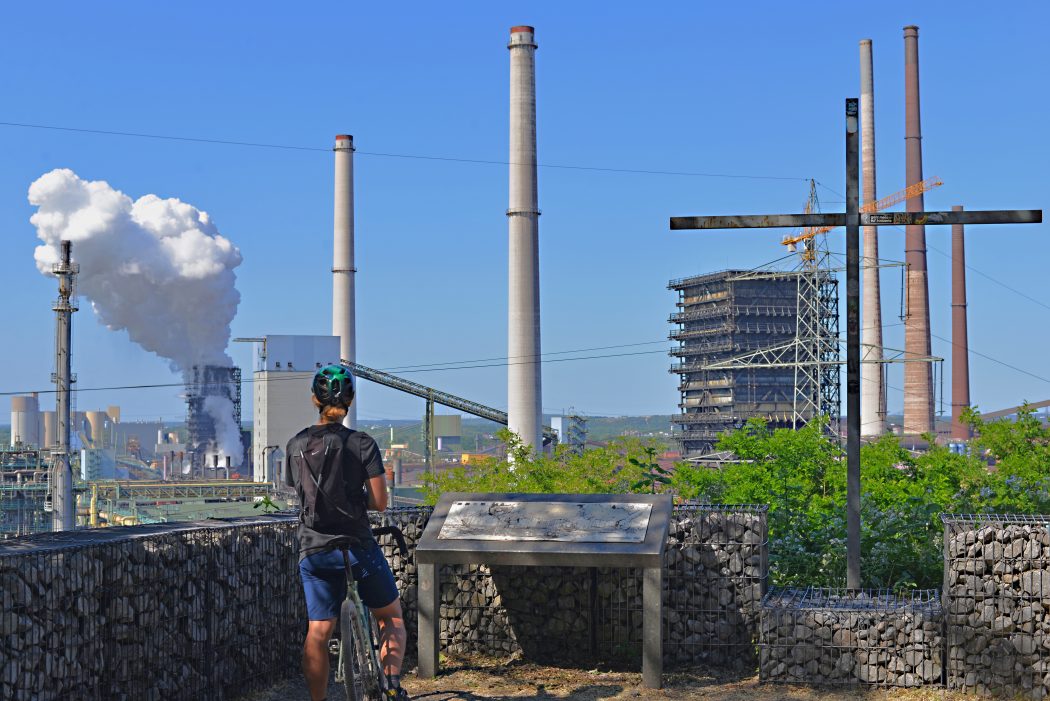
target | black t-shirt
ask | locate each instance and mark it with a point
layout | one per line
(355, 475)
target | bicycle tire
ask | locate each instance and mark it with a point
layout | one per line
(381, 683)
(367, 659)
(350, 657)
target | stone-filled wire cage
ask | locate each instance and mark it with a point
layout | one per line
(997, 602)
(196, 610)
(851, 637)
(715, 569)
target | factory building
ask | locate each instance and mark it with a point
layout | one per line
(720, 319)
(206, 386)
(283, 369)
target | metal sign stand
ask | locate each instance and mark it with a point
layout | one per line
(853, 219)
(515, 542)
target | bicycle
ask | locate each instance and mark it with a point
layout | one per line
(359, 668)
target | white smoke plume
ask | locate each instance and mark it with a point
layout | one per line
(156, 268)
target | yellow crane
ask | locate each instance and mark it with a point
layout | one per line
(877, 206)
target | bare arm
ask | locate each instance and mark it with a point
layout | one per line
(377, 496)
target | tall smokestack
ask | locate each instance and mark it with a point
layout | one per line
(524, 413)
(872, 392)
(343, 269)
(960, 337)
(918, 377)
(63, 516)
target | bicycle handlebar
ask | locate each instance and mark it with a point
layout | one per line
(399, 537)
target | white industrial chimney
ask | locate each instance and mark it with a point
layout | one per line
(524, 412)
(343, 270)
(872, 391)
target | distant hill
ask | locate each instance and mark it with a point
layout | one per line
(479, 434)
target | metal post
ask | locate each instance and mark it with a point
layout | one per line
(63, 516)
(652, 627)
(429, 616)
(428, 437)
(853, 580)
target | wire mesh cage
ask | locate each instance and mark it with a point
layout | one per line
(997, 601)
(202, 610)
(851, 637)
(716, 568)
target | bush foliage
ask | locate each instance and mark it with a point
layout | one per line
(801, 475)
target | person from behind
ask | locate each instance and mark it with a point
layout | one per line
(338, 474)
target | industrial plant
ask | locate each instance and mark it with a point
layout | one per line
(749, 343)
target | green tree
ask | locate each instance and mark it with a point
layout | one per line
(617, 468)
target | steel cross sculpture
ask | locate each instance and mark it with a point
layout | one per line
(853, 219)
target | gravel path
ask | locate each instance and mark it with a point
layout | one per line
(487, 680)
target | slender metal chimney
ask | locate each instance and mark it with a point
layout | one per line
(872, 390)
(960, 337)
(524, 412)
(343, 270)
(918, 377)
(63, 517)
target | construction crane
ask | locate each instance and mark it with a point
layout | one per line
(877, 206)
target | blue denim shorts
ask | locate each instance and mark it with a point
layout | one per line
(324, 580)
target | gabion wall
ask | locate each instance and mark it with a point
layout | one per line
(189, 611)
(715, 569)
(214, 609)
(832, 636)
(997, 601)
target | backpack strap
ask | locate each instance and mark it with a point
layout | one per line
(318, 477)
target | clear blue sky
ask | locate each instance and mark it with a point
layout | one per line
(731, 88)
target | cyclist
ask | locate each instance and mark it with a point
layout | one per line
(338, 474)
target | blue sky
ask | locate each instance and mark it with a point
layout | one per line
(745, 89)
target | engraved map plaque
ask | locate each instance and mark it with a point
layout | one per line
(607, 522)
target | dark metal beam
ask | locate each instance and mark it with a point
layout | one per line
(991, 216)
(770, 221)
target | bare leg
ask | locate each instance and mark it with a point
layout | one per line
(392, 636)
(315, 657)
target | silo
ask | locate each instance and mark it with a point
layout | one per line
(50, 428)
(97, 421)
(25, 420)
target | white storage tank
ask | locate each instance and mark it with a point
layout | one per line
(25, 420)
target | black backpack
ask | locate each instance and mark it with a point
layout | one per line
(317, 466)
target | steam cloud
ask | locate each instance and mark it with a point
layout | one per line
(157, 268)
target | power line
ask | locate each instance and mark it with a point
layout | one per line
(379, 154)
(505, 357)
(161, 385)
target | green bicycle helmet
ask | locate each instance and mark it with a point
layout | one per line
(333, 385)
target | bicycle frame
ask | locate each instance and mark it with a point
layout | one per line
(375, 685)
(362, 622)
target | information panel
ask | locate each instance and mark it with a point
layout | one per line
(606, 522)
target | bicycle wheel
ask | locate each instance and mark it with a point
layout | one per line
(368, 661)
(352, 654)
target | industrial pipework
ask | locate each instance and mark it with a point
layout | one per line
(918, 376)
(343, 270)
(523, 300)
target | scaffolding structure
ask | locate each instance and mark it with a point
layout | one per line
(755, 344)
